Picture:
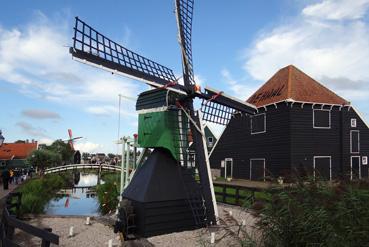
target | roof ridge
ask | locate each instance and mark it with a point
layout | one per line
(289, 83)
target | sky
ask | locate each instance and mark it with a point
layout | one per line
(237, 46)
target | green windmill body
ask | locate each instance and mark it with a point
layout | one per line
(161, 123)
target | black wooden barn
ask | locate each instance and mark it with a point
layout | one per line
(301, 128)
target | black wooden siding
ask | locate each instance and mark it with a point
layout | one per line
(307, 141)
(290, 142)
(238, 143)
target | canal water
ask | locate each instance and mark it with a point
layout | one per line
(79, 200)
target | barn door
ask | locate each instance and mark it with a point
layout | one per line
(355, 167)
(228, 168)
(257, 169)
(323, 167)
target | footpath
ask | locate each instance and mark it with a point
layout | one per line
(4, 193)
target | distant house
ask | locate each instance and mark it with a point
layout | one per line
(210, 142)
(15, 154)
(301, 128)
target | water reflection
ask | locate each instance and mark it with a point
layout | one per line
(79, 200)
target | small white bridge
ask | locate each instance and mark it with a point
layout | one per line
(82, 166)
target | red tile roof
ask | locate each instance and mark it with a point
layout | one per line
(10, 151)
(291, 83)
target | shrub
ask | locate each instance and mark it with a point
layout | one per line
(108, 193)
(317, 214)
(36, 193)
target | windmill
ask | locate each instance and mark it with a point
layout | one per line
(76, 153)
(72, 139)
(164, 194)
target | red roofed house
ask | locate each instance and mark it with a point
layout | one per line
(15, 154)
(301, 128)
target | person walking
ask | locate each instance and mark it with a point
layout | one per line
(11, 176)
(6, 175)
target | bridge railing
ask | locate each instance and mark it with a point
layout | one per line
(82, 166)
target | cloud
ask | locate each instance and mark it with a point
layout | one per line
(328, 40)
(46, 141)
(31, 130)
(337, 9)
(88, 147)
(35, 58)
(239, 89)
(40, 114)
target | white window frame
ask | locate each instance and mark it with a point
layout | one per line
(330, 165)
(225, 167)
(364, 160)
(254, 159)
(265, 124)
(317, 127)
(355, 156)
(210, 143)
(358, 145)
(353, 123)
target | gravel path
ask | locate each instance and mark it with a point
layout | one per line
(236, 224)
(96, 234)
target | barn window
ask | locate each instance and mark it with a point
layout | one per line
(353, 122)
(323, 167)
(355, 141)
(322, 119)
(257, 169)
(258, 123)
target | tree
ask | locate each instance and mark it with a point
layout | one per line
(43, 159)
(62, 148)
(85, 156)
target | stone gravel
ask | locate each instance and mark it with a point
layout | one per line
(96, 234)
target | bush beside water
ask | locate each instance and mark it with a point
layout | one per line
(37, 192)
(108, 192)
(317, 214)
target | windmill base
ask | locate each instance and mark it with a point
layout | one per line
(158, 198)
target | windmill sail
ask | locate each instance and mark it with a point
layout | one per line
(184, 14)
(217, 107)
(92, 47)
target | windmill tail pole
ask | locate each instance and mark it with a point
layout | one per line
(204, 170)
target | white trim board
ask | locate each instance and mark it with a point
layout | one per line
(330, 164)
(355, 156)
(361, 117)
(358, 145)
(214, 146)
(252, 159)
(330, 122)
(225, 167)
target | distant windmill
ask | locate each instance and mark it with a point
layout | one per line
(71, 139)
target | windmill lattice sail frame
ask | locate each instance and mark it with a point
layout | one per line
(91, 47)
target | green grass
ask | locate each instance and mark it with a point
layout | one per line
(261, 196)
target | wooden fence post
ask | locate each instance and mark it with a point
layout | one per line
(224, 193)
(237, 195)
(44, 242)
